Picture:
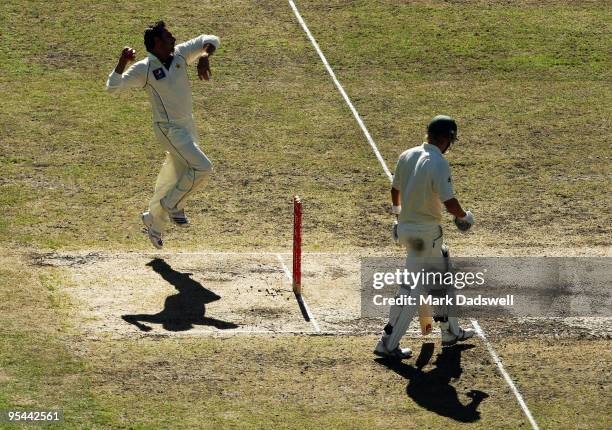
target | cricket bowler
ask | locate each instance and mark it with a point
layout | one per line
(163, 74)
(421, 186)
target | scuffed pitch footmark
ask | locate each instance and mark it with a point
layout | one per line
(336, 272)
(265, 268)
(55, 259)
(264, 312)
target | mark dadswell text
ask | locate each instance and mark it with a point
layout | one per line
(461, 300)
(458, 300)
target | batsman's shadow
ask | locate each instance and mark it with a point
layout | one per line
(183, 310)
(432, 389)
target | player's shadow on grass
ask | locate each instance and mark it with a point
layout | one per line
(183, 310)
(432, 389)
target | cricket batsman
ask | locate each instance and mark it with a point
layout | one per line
(163, 74)
(422, 185)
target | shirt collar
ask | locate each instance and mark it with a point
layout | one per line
(430, 147)
(153, 57)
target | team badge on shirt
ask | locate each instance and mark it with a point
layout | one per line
(159, 73)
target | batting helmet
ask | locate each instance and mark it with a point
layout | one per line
(443, 126)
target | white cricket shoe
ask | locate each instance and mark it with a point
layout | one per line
(451, 335)
(154, 236)
(397, 354)
(176, 215)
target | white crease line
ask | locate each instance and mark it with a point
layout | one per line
(261, 332)
(314, 322)
(105, 253)
(505, 374)
(214, 253)
(179, 253)
(341, 89)
(231, 332)
(285, 268)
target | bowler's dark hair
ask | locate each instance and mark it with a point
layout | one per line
(151, 32)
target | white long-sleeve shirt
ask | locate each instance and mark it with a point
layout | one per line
(169, 89)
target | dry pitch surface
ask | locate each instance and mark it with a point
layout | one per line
(155, 338)
(229, 293)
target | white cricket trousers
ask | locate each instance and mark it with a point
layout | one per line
(184, 171)
(423, 251)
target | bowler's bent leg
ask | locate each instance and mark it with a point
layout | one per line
(181, 141)
(172, 169)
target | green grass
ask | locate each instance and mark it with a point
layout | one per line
(39, 368)
(527, 83)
